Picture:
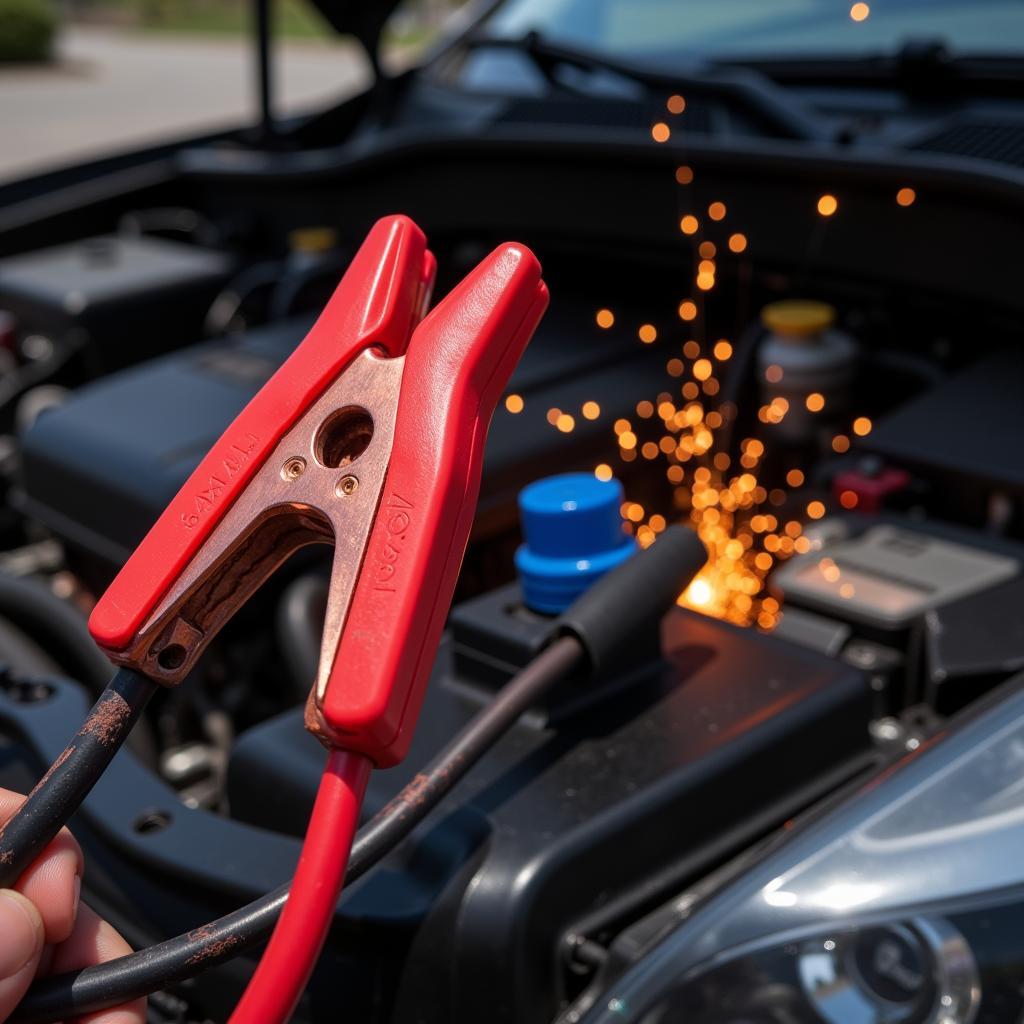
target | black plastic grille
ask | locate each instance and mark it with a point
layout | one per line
(1000, 142)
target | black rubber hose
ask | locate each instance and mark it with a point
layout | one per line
(55, 625)
(60, 792)
(184, 956)
(300, 627)
(21, 656)
(608, 617)
(613, 603)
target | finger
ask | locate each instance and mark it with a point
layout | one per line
(53, 880)
(9, 803)
(133, 1013)
(93, 941)
(21, 943)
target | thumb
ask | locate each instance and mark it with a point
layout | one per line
(21, 943)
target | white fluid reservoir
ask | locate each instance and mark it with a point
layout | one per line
(806, 366)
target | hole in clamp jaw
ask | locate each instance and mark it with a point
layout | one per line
(171, 657)
(343, 437)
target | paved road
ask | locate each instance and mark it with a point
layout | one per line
(113, 90)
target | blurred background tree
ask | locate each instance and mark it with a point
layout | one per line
(27, 30)
(414, 20)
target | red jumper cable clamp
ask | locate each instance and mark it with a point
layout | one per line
(369, 437)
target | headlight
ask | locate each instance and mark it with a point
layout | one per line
(905, 904)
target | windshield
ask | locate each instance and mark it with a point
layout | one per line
(760, 29)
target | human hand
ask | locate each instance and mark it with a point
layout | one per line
(46, 929)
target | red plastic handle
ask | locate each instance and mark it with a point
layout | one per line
(379, 300)
(458, 362)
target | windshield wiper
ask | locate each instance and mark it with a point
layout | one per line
(739, 86)
(923, 67)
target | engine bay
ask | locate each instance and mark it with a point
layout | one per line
(813, 360)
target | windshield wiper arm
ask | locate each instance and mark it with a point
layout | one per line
(744, 87)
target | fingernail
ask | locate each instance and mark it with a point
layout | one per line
(20, 931)
(76, 897)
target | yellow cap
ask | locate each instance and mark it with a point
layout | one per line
(798, 318)
(312, 240)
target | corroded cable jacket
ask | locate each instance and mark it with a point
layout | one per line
(69, 779)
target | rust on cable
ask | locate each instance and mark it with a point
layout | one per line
(65, 754)
(210, 947)
(107, 719)
(7, 856)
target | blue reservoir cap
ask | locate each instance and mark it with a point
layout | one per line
(573, 531)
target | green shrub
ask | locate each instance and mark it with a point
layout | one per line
(27, 28)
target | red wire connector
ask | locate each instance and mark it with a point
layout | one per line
(370, 437)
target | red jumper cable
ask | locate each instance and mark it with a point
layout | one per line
(370, 437)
